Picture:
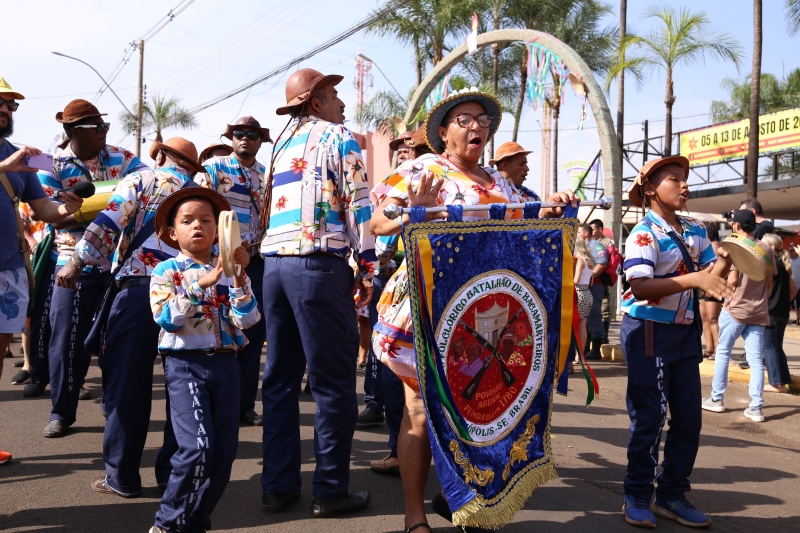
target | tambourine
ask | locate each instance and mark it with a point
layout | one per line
(750, 259)
(229, 240)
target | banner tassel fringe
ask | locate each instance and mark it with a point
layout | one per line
(477, 513)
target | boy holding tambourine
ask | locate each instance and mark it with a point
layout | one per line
(202, 313)
(668, 258)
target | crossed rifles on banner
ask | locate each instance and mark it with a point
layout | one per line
(469, 391)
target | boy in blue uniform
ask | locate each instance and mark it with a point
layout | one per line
(202, 313)
(660, 337)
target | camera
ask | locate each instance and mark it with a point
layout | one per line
(727, 214)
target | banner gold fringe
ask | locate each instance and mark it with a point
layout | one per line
(477, 514)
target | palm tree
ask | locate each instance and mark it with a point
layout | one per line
(685, 38)
(793, 16)
(497, 11)
(755, 89)
(623, 16)
(159, 115)
(775, 94)
(577, 25)
(382, 113)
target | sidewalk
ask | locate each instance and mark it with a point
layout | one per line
(791, 345)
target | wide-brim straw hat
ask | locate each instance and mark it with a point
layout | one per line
(247, 124)
(635, 192)
(77, 110)
(302, 85)
(180, 147)
(6, 90)
(436, 115)
(211, 147)
(162, 213)
(508, 149)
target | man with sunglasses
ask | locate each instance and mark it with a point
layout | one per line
(317, 214)
(24, 187)
(86, 157)
(241, 180)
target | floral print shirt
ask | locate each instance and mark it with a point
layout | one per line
(195, 319)
(320, 196)
(132, 205)
(243, 188)
(458, 189)
(111, 163)
(651, 253)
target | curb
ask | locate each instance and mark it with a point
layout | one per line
(613, 352)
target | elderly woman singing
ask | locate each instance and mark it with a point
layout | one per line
(457, 129)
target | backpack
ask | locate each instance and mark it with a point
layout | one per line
(613, 268)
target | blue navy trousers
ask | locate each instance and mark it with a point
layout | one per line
(127, 360)
(311, 320)
(383, 388)
(39, 338)
(203, 392)
(663, 370)
(71, 313)
(249, 357)
(594, 322)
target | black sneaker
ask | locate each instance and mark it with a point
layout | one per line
(744, 365)
(19, 364)
(370, 416)
(251, 418)
(9, 354)
(84, 394)
(33, 389)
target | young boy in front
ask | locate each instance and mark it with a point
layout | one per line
(202, 314)
(660, 337)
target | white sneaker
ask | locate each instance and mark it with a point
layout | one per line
(754, 414)
(709, 404)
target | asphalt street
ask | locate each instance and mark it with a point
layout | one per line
(746, 474)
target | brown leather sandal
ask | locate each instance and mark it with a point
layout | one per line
(417, 526)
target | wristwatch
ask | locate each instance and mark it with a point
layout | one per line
(77, 261)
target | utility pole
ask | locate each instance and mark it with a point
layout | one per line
(139, 105)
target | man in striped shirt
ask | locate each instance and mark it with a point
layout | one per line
(85, 158)
(240, 178)
(318, 214)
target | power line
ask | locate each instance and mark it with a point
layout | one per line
(389, 7)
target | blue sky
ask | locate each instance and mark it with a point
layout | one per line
(214, 46)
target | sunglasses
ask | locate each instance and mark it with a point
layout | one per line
(10, 104)
(465, 121)
(101, 128)
(241, 134)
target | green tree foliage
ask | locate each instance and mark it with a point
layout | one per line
(681, 38)
(158, 115)
(775, 94)
(793, 16)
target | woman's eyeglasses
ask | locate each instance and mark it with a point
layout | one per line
(251, 135)
(101, 128)
(465, 121)
(10, 104)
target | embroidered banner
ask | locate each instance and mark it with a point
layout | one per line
(492, 308)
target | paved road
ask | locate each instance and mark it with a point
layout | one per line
(746, 474)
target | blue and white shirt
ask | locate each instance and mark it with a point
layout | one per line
(132, 205)
(651, 253)
(243, 188)
(111, 163)
(192, 318)
(320, 196)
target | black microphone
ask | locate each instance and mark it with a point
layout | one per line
(84, 189)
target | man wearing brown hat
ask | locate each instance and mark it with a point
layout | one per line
(410, 145)
(317, 214)
(241, 180)
(123, 234)
(511, 160)
(86, 157)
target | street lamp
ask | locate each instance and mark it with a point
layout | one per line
(98, 74)
(365, 58)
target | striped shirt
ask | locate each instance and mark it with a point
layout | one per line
(651, 253)
(243, 188)
(192, 318)
(320, 196)
(111, 163)
(132, 205)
